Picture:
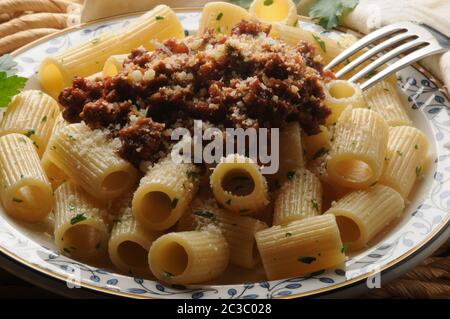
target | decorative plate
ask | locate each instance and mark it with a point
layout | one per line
(423, 225)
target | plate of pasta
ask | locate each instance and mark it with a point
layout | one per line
(331, 184)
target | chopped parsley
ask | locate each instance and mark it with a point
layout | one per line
(320, 42)
(22, 140)
(418, 171)
(268, 2)
(71, 138)
(344, 249)
(17, 200)
(174, 203)
(44, 119)
(159, 18)
(315, 204)
(386, 90)
(30, 132)
(322, 151)
(193, 175)
(290, 175)
(78, 218)
(205, 214)
(168, 274)
(288, 235)
(374, 183)
(219, 16)
(416, 147)
(10, 84)
(72, 207)
(306, 259)
(399, 153)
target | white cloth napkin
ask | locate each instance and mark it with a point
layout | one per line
(372, 14)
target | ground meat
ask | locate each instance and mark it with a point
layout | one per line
(243, 80)
(141, 140)
(251, 27)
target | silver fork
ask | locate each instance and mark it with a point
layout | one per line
(419, 39)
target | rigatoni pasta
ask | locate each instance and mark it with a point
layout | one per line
(405, 156)
(357, 154)
(300, 197)
(53, 172)
(129, 245)
(291, 151)
(91, 162)
(384, 99)
(300, 247)
(26, 192)
(238, 185)
(164, 194)
(80, 230)
(339, 95)
(362, 214)
(32, 113)
(189, 257)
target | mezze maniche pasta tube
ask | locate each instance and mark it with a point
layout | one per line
(238, 185)
(357, 154)
(32, 113)
(300, 247)
(89, 159)
(80, 230)
(189, 257)
(58, 71)
(362, 214)
(26, 192)
(164, 193)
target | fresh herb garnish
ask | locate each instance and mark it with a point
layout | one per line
(219, 16)
(17, 200)
(78, 218)
(399, 153)
(44, 119)
(373, 184)
(416, 147)
(159, 18)
(320, 42)
(322, 151)
(30, 132)
(268, 2)
(418, 170)
(174, 203)
(344, 248)
(168, 274)
(288, 235)
(205, 214)
(315, 204)
(329, 13)
(290, 175)
(306, 259)
(10, 84)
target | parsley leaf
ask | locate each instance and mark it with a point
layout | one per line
(306, 259)
(9, 86)
(330, 12)
(320, 42)
(205, 214)
(78, 218)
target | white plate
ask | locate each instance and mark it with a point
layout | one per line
(424, 225)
